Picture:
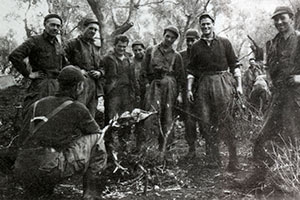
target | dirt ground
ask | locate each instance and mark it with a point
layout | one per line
(181, 178)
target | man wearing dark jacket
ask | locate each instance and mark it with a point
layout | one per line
(191, 36)
(60, 138)
(281, 126)
(83, 53)
(163, 74)
(120, 85)
(212, 60)
(46, 58)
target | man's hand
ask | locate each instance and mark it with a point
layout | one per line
(190, 96)
(293, 80)
(36, 75)
(179, 98)
(95, 74)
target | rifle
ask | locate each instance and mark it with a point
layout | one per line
(258, 52)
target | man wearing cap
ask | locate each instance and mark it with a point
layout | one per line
(164, 75)
(46, 58)
(120, 86)
(84, 54)
(212, 60)
(138, 49)
(282, 121)
(191, 36)
(60, 138)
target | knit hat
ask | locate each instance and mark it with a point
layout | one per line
(90, 20)
(52, 15)
(70, 75)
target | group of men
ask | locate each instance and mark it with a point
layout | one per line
(60, 136)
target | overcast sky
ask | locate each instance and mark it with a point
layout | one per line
(7, 6)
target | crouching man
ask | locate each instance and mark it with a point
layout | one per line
(61, 138)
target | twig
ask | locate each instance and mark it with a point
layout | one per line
(166, 136)
(10, 143)
(118, 165)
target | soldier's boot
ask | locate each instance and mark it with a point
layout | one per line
(93, 186)
(93, 183)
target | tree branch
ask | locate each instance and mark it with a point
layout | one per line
(27, 29)
(245, 56)
(132, 7)
(96, 6)
(116, 25)
(151, 3)
(205, 6)
(240, 47)
(122, 29)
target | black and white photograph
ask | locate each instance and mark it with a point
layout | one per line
(150, 99)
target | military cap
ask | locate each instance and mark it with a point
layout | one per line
(70, 75)
(90, 20)
(136, 43)
(282, 10)
(205, 14)
(52, 15)
(192, 33)
(173, 29)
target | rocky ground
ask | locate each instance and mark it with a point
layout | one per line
(180, 178)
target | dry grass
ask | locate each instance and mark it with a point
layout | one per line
(285, 172)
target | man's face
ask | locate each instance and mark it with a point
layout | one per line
(206, 26)
(283, 22)
(90, 30)
(169, 38)
(52, 26)
(138, 51)
(120, 48)
(190, 41)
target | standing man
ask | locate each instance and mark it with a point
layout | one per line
(283, 68)
(83, 53)
(138, 49)
(164, 75)
(212, 57)
(60, 138)
(191, 36)
(46, 59)
(120, 85)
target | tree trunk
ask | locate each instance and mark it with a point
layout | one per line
(297, 19)
(96, 6)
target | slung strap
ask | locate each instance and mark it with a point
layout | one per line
(34, 128)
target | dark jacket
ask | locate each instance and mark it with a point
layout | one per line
(86, 55)
(65, 127)
(118, 74)
(44, 53)
(219, 56)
